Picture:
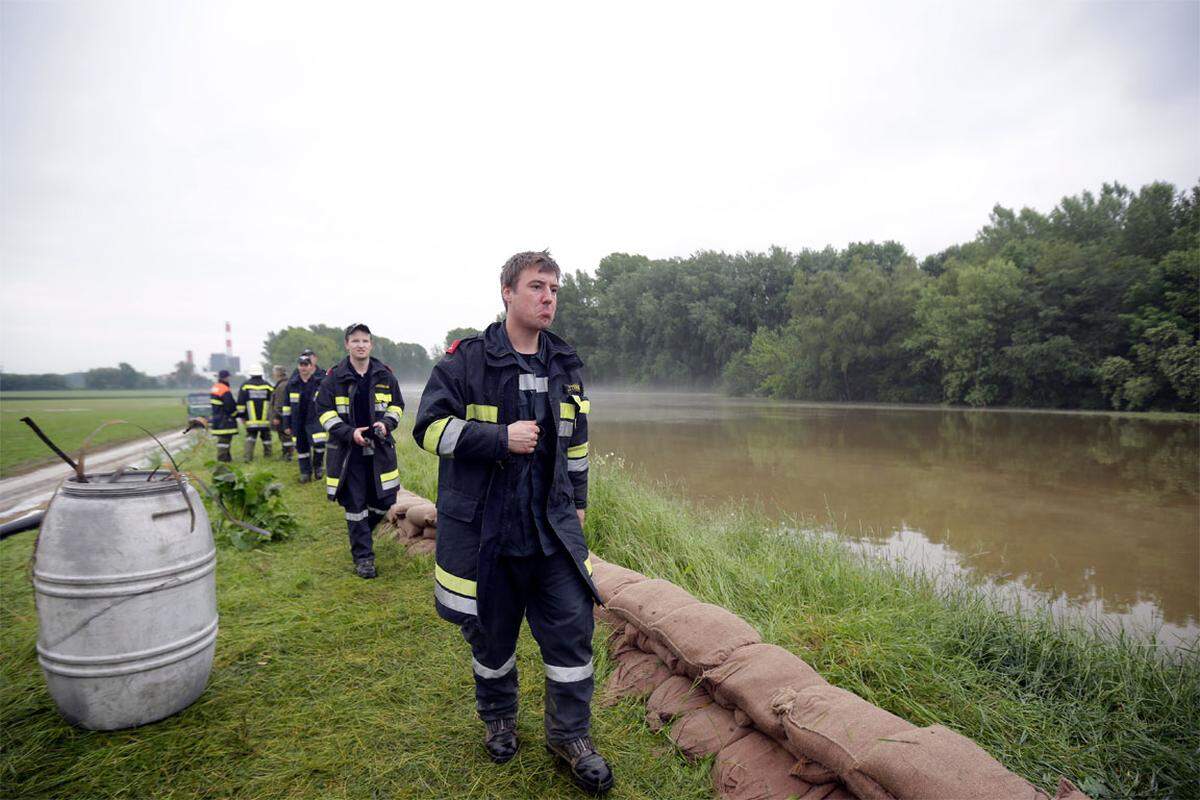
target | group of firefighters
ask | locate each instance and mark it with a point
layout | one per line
(506, 414)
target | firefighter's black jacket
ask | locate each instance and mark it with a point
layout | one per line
(254, 403)
(335, 413)
(468, 403)
(224, 410)
(300, 412)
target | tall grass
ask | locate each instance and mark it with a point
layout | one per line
(326, 685)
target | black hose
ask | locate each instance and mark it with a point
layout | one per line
(21, 525)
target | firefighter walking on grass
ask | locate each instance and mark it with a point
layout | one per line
(300, 417)
(253, 406)
(359, 404)
(279, 399)
(223, 423)
(506, 413)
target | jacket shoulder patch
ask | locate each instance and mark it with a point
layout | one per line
(453, 346)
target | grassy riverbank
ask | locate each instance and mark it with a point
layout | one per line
(326, 685)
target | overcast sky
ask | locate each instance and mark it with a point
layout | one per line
(167, 166)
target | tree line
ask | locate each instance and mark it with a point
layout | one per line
(1095, 304)
(408, 361)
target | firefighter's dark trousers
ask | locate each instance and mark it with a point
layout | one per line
(263, 433)
(550, 593)
(310, 452)
(363, 506)
(224, 442)
(285, 444)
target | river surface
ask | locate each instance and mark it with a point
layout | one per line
(1088, 514)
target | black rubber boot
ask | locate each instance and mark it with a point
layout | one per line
(501, 742)
(365, 567)
(589, 770)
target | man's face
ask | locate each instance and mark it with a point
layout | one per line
(359, 345)
(306, 370)
(533, 299)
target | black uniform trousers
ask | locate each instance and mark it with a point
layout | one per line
(310, 452)
(224, 442)
(363, 505)
(550, 593)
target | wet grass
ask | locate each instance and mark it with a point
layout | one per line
(69, 418)
(326, 685)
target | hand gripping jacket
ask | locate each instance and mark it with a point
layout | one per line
(335, 413)
(300, 410)
(224, 410)
(253, 403)
(466, 408)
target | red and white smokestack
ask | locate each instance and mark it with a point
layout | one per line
(228, 340)
(189, 357)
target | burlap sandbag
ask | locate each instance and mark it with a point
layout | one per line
(755, 767)
(407, 530)
(813, 771)
(420, 546)
(833, 726)
(752, 676)
(703, 636)
(1068, 791)
(645, 602)
(429, 532)
(621, 643)
(706, 730)
(648, 644)
(637, 675)
(404, 501)
(674, 696)
(611, 578)
(937, 762)
(602, 614)
(422, 515)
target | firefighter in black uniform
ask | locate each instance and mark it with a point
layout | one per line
(300, 417)
(279, 399)
(253, 406)
(507, 414)
(223, 423)
(359, 404)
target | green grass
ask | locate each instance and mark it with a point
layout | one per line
(327, 685)
(68, 418)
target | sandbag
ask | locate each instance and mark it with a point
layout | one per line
(811, 771)
(752, 676)
(404, 501)
(755, 767)
(938, 762)
(620, 644)
(645, 602)
(429, 532)
(674, 696)
(416, 547)
(422, 515)
(611, 578)
(705, 730)
(637, 675)
(602, 614)
(703, 635)
(648, 644)
(834, 726)
(1068, 791)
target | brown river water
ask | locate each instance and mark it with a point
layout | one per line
(1091, 515)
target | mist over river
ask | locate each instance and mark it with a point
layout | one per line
(1093, 514)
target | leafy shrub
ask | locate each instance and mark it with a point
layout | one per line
(253, 497)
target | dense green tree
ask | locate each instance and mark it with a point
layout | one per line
(409, 361)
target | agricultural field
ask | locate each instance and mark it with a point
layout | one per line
(68, 417)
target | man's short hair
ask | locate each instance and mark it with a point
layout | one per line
(355, 328)
(521, 261)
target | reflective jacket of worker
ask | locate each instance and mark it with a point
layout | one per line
(469, 401)
(365, 497)
(253, 406)
(223, 423)
(279, 395)
(300, 415)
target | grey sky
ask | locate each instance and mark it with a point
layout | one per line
(167, 166)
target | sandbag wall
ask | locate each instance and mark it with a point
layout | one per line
(776, 727)
(415, 522)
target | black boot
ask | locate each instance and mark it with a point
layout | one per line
(365, 567)
(501, 741)
(589, 770)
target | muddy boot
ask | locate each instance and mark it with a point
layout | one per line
(365, 567)
(223, 445)
(501, 739)
(589, 770)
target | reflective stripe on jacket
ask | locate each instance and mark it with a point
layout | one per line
(224, 410)
(467, 405)
(300, 413)
(335, 414)
(253, 403)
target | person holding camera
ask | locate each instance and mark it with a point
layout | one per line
(359, 404)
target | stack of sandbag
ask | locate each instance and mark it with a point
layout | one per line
(415, 521)
(776, 727)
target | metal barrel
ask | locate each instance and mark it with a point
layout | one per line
(126, 598)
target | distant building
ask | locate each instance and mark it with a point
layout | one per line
(220, 361)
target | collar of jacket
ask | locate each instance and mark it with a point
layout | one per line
(343, 372)
(499, 352)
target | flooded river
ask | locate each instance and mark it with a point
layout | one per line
(1085, 513)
